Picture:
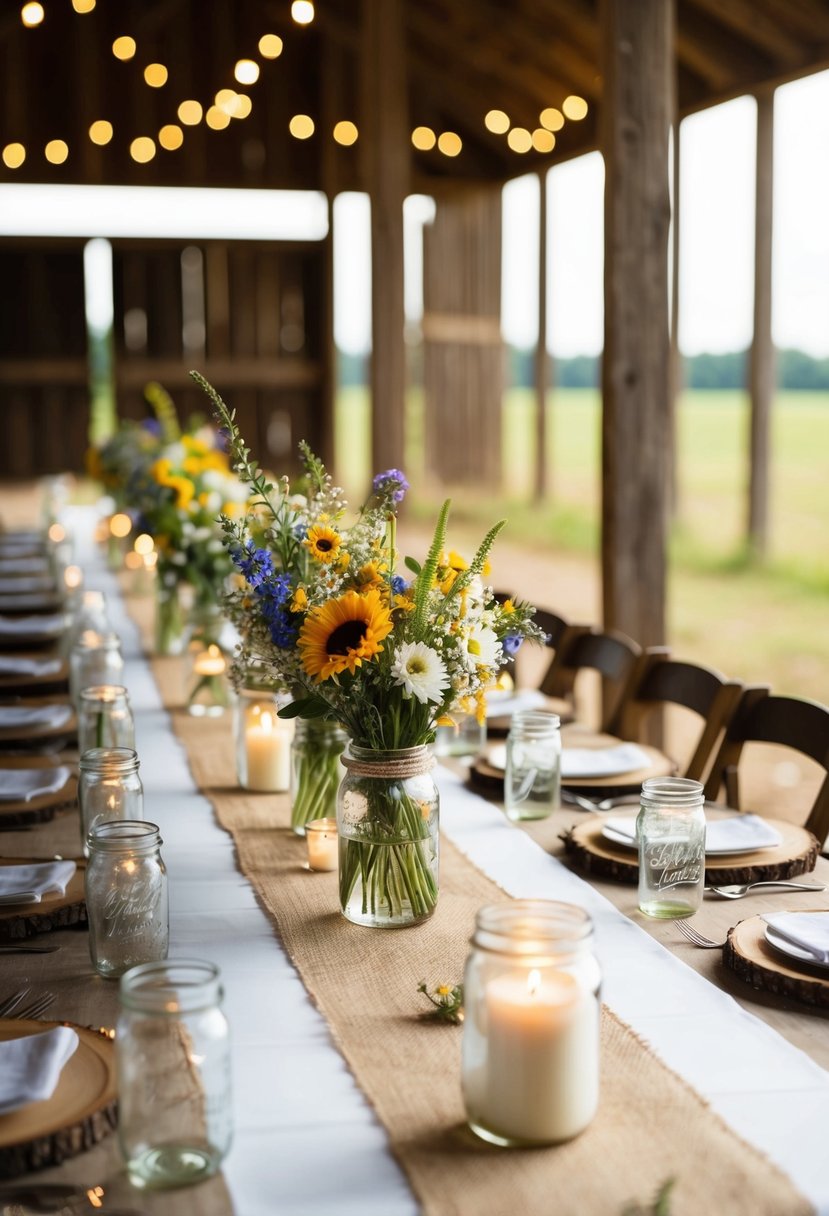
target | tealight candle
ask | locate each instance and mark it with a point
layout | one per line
(210, 662)
(73, 578)
(267, 747)
(323, 844)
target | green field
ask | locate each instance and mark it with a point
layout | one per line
(761, 620)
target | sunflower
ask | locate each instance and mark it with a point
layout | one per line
(323, 543)
(339, 635)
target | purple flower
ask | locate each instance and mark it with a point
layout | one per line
(511, 645)
(283, 629)
(255, 564)
(398, 584)
(392, 484)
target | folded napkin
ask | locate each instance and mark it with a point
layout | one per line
(34, 717)
(12, 666)
(737, 834)
(23, 565)
(29, 584)
(30, 1068)
(26, 784)
(603, 761)
(505, 704)
(808, 931)
(32, 626)
(29, 883)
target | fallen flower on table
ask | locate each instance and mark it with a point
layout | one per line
(447, 1000)
(660, 1206)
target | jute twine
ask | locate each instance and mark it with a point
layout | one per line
(421, 761)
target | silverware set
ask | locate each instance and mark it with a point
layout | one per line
(698, 939)
(23, 1005)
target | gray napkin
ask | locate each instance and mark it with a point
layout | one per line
(30, 1068)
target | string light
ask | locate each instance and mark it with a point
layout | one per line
(449, 143)
(270, 46)
(171, 137)
(551, 118)
(345, 133)
(574, 108)
(14, 156)
(543, 140)
(124, 47)
(216, 119)
(190, 113)
(142, 149)
(302, 12)
(246, 71)
(424, 138)
(497, 122)
(155, 74)
(242, 106)
(100, 132)
(83, 6)
(519, 139)
(32, 14)
(301, 126)
(56, 151)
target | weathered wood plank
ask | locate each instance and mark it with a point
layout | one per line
(761, 361)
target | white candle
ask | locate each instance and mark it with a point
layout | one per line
(542, 1057)
(268, 754)
(323, 845)
(210, 662)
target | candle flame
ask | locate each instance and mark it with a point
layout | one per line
(533, 981)
(72, 577)
(267, 723)
(57, 533)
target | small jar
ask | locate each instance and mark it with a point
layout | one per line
(263, 741)
(95, 659)
(670, 834)
(90, 615)
(105, 718)
(126, 896)
(530, 1056)
(315, 770)
(532, 782)
(109, 787)
(387, 822)
(466, 737)
(172, 1043)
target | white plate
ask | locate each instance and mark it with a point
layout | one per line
(583, 763)
(617, 837)
(796, 952)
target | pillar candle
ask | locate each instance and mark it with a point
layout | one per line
(323, 844)
(268, 754)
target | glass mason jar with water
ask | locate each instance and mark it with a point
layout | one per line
(670, 833)
(126, 896)
(175, 1120)
(532, 782)
(109, 787)
(105, 718)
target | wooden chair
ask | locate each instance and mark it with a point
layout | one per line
(612, 654)
(788, 721)
(658, 680)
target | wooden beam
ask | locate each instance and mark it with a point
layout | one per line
(761, 362)
(637, 62)
(712, 52)
(385, 148)
(753, 23)
(542, 359)
(676, 355)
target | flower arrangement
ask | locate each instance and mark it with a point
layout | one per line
(331, 617)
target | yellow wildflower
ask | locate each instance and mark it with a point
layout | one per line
(507, 608)
(371, 575)
(402, 602)
(160, 470)
(323, 544)
(299, 602)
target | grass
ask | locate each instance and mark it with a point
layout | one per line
(761, 620)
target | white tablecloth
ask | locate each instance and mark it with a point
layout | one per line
(307, 1142)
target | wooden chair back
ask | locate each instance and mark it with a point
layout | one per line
(658, 680)
(787, 721)
(610, 653)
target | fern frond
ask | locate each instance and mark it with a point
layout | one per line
(426, 577)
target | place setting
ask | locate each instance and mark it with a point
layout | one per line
(36, 724)
(23, 674)
(20, 632)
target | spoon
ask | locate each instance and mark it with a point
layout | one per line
(738, 890)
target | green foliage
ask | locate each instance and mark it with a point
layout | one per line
(659, 1206)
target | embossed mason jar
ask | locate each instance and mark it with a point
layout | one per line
(532, 781)
(315, 770)
(95, 659)
(126, 896)
(670, 834)
(109, 787)
(105, 718)
(387, 821)
(530, 1055)
(172, 1043)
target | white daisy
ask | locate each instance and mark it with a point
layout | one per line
(421, 672)
(482, 648)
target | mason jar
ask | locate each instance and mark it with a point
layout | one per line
(670, 835)
(90, 614)
(126, 896)
(109, 787)
(387, 821)
(532, 781)
(530, 1053)
(172, 1043)
(465, 737)
(105, 718)
(315, 770)
(263, 740)
(95, 659)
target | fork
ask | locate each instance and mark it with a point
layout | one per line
(30, 1008)
(738, 890)
(10, 1003)
(698, 939)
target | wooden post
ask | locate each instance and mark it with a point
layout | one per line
(676, 355)
(385, 147)
(542, 360)
(637, 67)
(761, 363)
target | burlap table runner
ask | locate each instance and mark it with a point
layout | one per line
(651, 1125)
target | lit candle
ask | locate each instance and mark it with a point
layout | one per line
(323, 845)
(73, 578)
(542, 1067)
(210, 662)
(268, 753)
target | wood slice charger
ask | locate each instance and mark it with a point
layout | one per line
(36, 810)
(796, 854)
(749, 955)
(25, 737)
(489, 778)
(19, 921)
(80, 1113)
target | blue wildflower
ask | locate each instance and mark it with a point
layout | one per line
(274, 592)
(511, 645)
(152, 426)
(398, 584)
(283, 629)
(392, 483)
(255, 564)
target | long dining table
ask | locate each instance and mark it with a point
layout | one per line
(307, 1141)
